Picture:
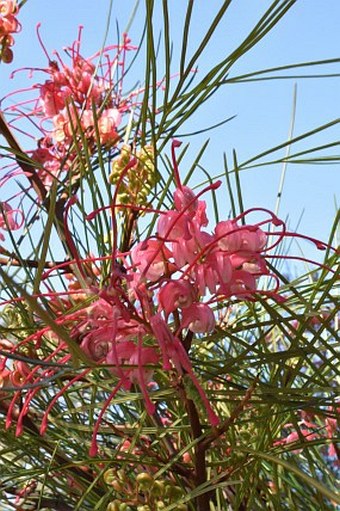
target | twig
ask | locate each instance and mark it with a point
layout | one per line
(22, 159)
(32, 263)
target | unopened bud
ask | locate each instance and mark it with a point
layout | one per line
(114, 506)
(174, 492)
(145, 481)
(110, 478)
(158, 489)
(6, 55)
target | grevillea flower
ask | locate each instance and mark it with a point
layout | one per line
(150, 258)
(233, 239)
(97, 343)
(9, 218)
(80, 97)
(176, 294)
(199, 318)
(295, 436)
(131, 363)
(332, 426)
(108, 124)
(185, 199)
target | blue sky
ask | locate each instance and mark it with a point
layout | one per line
(310, 31)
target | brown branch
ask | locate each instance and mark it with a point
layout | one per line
(32, 263)
(127, 240)
(188, 340)
(28, 167)
(203, 500)
(24, 162)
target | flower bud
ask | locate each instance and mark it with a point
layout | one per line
(173, 492)
(145, 481)
(158, 489)
(109, 476)
(114, 506)
(7, 55)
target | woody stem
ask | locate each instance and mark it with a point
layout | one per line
(202, 501)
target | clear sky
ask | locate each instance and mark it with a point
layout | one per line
(310, 31)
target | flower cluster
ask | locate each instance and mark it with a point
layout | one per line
(79, 108)
(160, 294)
(151, 493)
(8, 25)
(135, 331)
(134, 185)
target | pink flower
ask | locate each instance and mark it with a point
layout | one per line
(185, 199)
(101, 311)
(98, 342)
(242, 285)
(131, 363)
(199, 318)
(331, 428)
(107, 125)
(201, 219)
(296, 436)
(140, 361)
(20, 373)
(104, 327)
(69, 97)
(215, 270)
(251, 262)
(119, 357)
(8, 7)
(8, 26)
(253, 239)
(176, 294)
(173, 225)
(8, 218)
(62, 126)
(228, 236)
(189, 250)
(150, 259)
(87, 120)
(233, 238)
(52, 98)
